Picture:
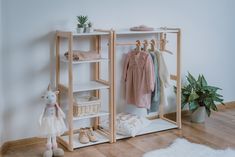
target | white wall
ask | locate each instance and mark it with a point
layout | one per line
(207, 47)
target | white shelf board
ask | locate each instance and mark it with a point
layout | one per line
(91, 116)
(74, 33)
(77, 144)
(64, 60)
(88, 86)
(156, 30)
(155, 126)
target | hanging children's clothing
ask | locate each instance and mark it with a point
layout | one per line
(138, 75)
(163, 71)
(164, 77)
(155, 96)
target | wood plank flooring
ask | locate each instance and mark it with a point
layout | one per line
(218, 132)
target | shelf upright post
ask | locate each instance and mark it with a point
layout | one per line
(178, 94)
(97, 74)
(70, 89)
(114, 85)
(111, 84)
(58, 65)
(161, 106)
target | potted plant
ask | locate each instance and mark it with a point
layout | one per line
(81, 23)
(89, 29)
(200, 97)
(85, 28)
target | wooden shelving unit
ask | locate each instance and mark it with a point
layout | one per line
(159, 122)
(70, 140)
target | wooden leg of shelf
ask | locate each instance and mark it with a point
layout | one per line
(161, 107)
(97, 75)
(58, 66)
(70, 92)
(114, 87)
(111, 89)
(178, 94)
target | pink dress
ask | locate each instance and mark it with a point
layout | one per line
(138, 75)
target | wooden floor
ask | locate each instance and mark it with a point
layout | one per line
(218, 132)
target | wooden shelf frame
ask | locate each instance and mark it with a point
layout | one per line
(70, 144)
(159, 33)
(113, 35)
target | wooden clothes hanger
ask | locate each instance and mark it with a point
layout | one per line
(163, 45)
(153, 45)
(146, 45)
(138, 45)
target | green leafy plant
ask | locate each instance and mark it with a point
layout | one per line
(197, 93)
(82, 21)
(90, 24)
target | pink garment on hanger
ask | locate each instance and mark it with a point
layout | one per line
(138, 75)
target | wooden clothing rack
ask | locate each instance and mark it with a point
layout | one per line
(159, 123)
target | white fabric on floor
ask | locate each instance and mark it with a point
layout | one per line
(184, 148)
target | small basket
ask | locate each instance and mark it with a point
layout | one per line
(86, 105)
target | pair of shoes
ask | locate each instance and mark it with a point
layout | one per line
(86, 135)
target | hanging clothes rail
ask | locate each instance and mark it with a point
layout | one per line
(159, 122)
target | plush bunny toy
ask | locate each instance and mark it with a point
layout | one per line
(52, 123)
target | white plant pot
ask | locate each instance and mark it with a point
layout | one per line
(89, 30)
(199, 115)
(80, 30)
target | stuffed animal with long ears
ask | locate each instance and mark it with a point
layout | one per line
(52, 123)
